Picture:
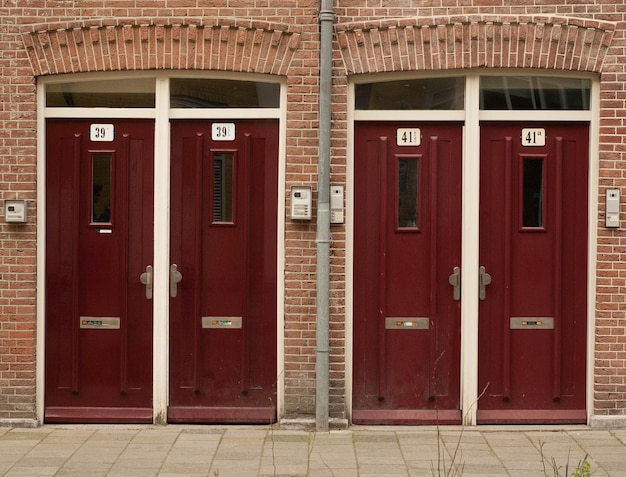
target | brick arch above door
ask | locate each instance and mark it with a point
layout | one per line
(456, 42)
(223, 45)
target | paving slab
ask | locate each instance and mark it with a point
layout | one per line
(241, 451)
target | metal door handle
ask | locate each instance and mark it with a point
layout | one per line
(175, 277)
(455, 281)
(146, 279)
(484, 279)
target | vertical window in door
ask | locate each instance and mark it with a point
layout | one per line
(533, 192)
(223, 188)
(407, 193)
(101, 164)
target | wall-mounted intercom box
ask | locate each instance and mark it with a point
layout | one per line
(336, 204)
(16, 211)
(612, 208)
(301, 202)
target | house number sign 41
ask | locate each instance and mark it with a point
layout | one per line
(533, 137)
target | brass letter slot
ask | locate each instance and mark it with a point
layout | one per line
(407, 323)
(534, 323)
(221, 322)
(99, 323)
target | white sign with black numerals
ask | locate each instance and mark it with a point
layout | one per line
(533, 137)
(408, 137)
(102, 132)
(223, 131)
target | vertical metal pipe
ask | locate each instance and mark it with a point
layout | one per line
(326, 18)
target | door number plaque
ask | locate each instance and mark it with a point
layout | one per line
(102, 132)
(533, 137)
(223, 131)
(408, 137)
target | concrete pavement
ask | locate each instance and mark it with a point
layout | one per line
(241, 451)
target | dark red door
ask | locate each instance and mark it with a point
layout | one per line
(533, 246)
(99, 232)
(224, 194)
(407, 248)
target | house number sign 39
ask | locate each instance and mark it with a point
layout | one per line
(101, 132)
(223, 131)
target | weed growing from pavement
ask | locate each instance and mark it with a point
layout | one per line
(453, 468)
(449, 469)
(552, 469)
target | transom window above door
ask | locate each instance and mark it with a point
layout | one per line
(184, 93)
(412, 94)
(517, 93)
(129, 93)
(495, 93)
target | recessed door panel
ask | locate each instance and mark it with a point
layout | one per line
(98, 243)
(533, 247)
(223, 244)
(406, 259)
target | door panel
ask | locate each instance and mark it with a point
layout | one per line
(533, 244)
(223, 242)
(98, 242)
(407, 244)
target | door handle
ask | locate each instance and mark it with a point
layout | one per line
(484, 279)
(175, 278)
(455, 281)
(146, 279)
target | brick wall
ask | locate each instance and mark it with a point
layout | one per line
(48, 37)
(281, 39)
(610, 332)
(17, 241)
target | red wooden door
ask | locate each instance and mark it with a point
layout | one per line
(533, 244)
(99, 217)
(407, 245)
(223, 243)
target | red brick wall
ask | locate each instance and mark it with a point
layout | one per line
(171, 34)
(17, 242)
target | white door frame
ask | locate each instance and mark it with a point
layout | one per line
(471, 117)
(161, 114)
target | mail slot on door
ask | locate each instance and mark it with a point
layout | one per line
(407, 323)
(535, 323)
(100, 323)
(221, 322)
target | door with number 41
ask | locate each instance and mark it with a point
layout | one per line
(407, 255)
(533, 272)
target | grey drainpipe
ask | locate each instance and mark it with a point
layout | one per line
(327, 18)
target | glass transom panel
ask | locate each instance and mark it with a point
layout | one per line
(523, 93)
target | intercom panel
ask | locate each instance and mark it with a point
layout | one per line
(301, 202)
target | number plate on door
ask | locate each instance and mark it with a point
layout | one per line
(408, 137)
(223, 131)
(533, 137)
(101, 132)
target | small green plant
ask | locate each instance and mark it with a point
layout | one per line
(583, 469)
